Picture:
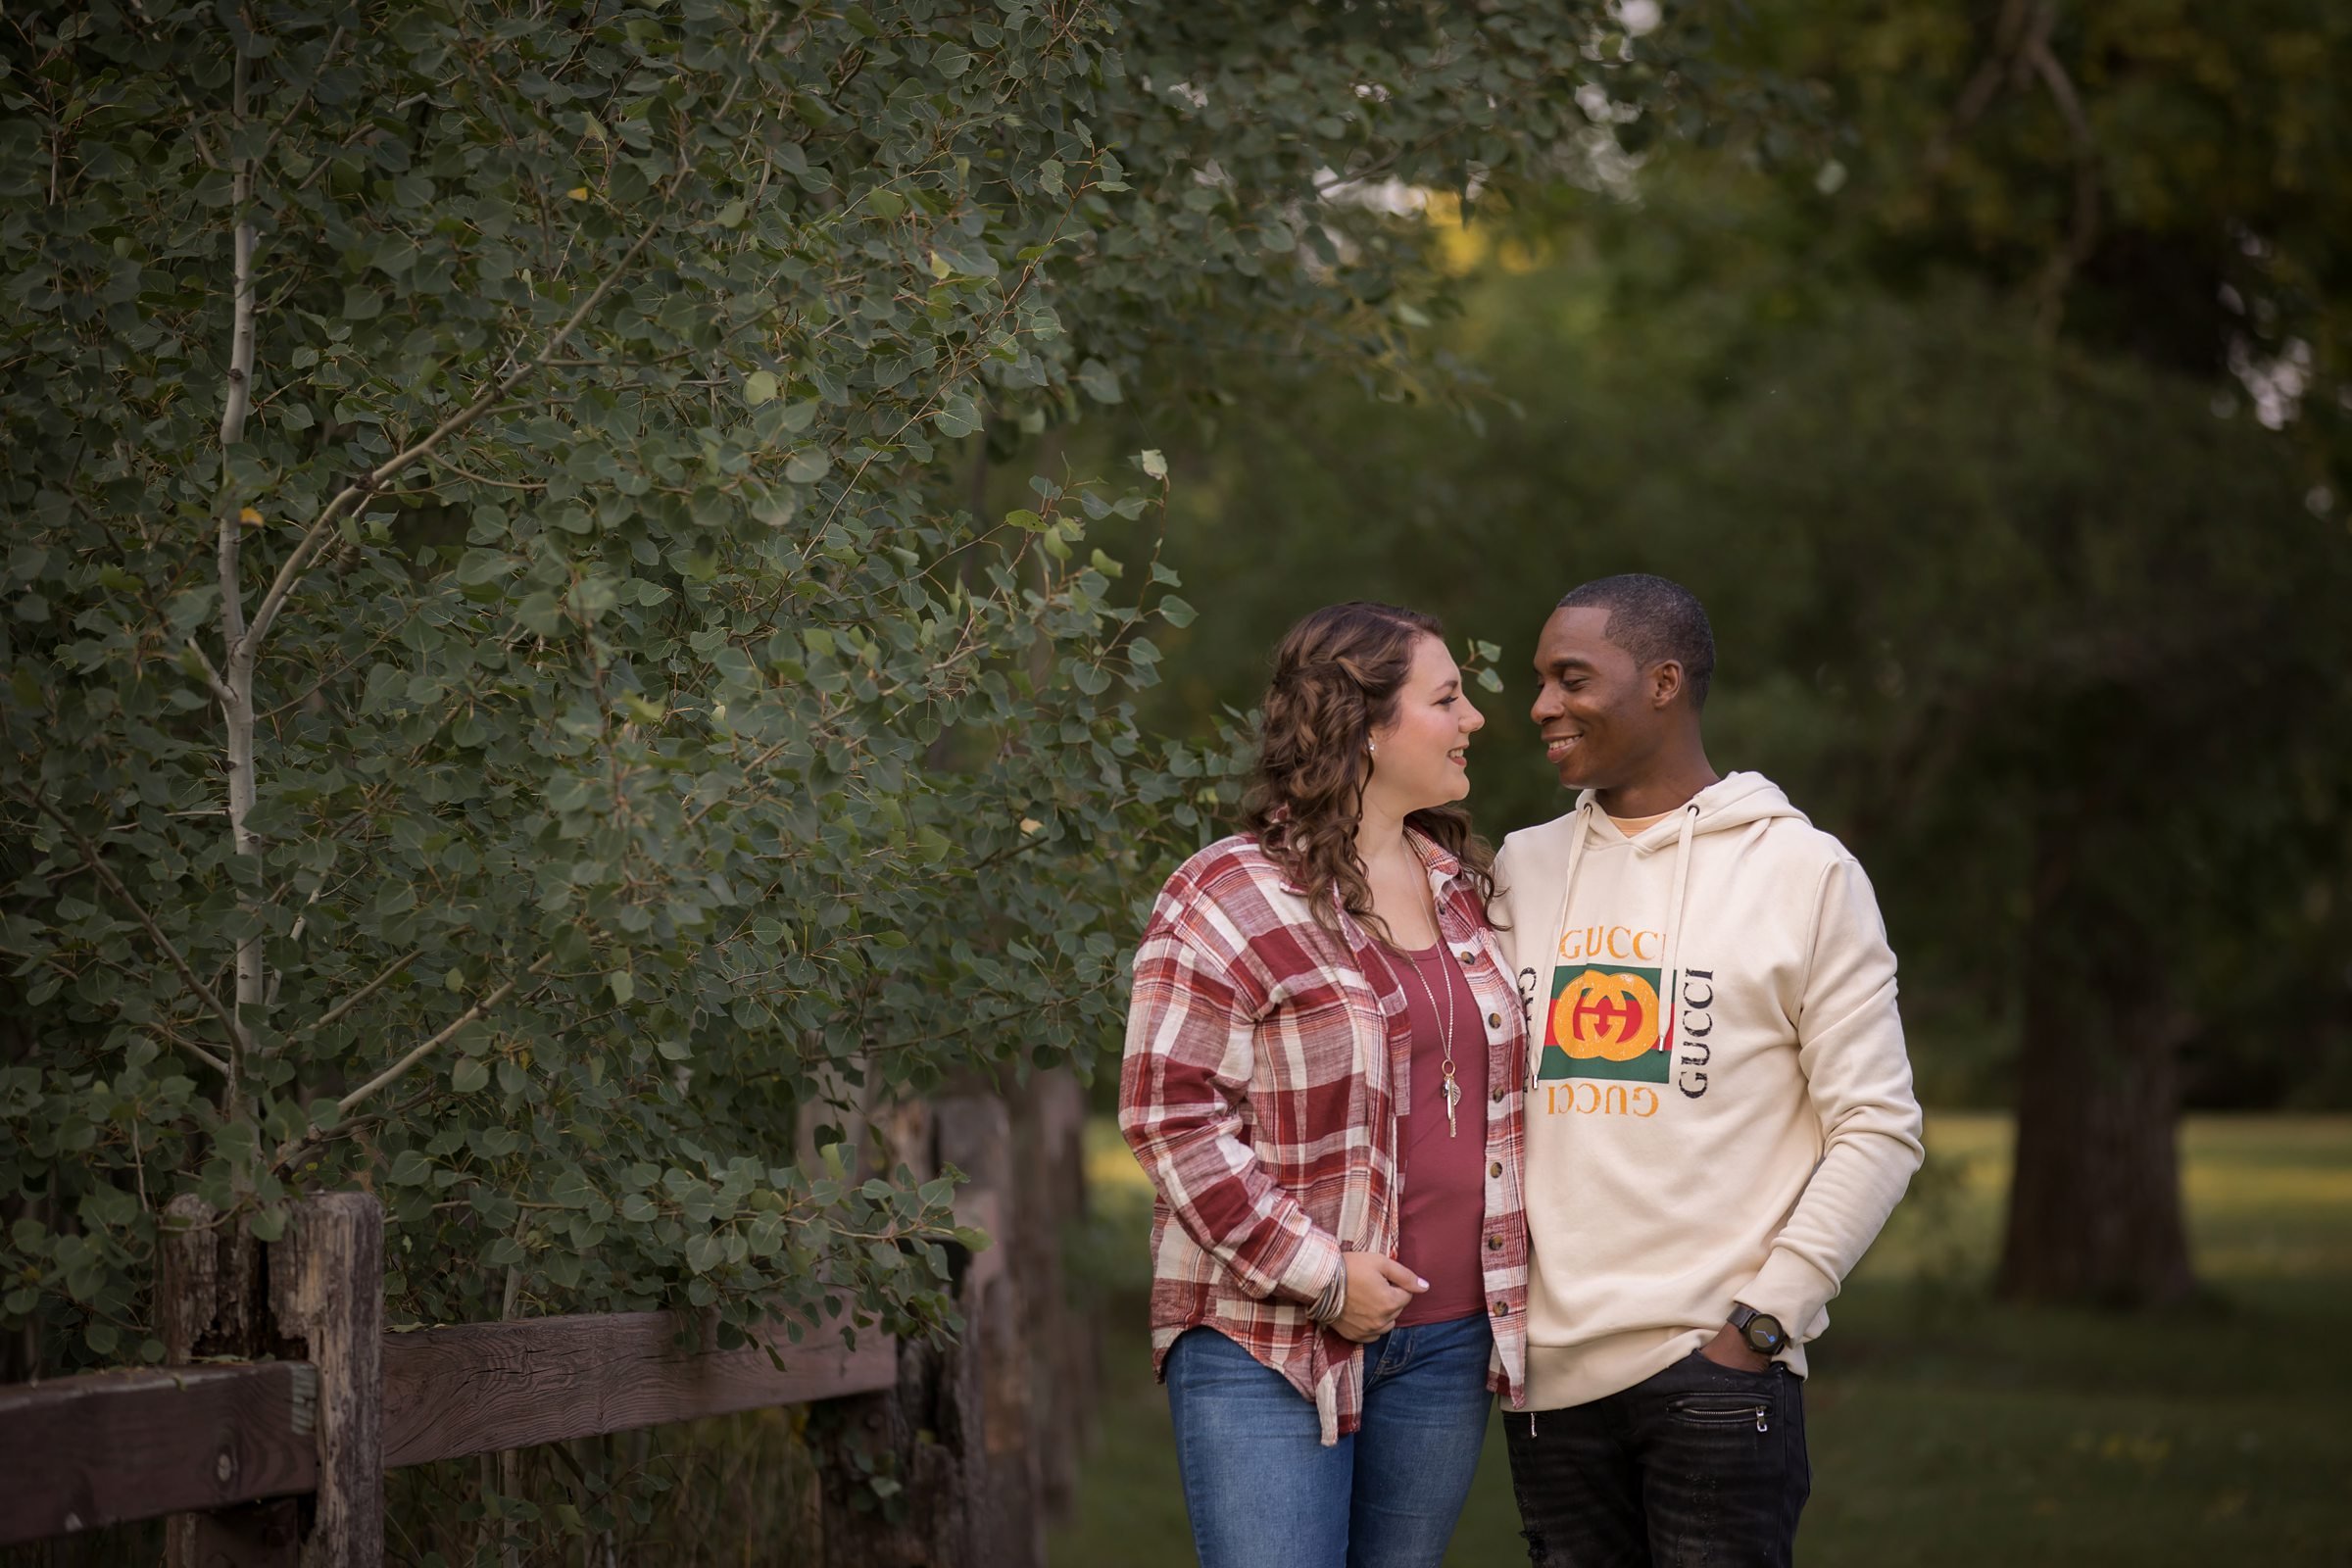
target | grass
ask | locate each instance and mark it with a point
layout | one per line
(1947, 1429)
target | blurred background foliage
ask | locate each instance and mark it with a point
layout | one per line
(2026, 566)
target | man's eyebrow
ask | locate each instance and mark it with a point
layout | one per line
(1565, 662)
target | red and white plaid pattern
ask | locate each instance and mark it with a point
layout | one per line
(1265, 1061)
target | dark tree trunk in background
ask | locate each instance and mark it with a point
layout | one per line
(2094, 1206)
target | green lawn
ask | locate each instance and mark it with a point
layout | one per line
(2062, 1438)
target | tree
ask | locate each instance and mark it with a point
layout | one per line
(503, 707)
(2152, 183)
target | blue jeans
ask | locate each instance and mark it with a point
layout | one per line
(1262, 1490)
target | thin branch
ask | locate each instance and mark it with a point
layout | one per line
(212, 678)
(352, 494)
(2082, 236)
(240, 380)
(447, 467)
(423, 1049)
(340, 1008)
(114, 884)
(300, 98)
(1978, 95)
(347, 1127)
(190, 1046)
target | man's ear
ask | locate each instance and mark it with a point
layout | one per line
(1665, 682)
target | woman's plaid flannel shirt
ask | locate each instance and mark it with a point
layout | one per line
(1263, 1071)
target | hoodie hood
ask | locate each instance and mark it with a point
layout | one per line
(1734, 801)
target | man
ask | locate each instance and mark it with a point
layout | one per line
(1720, 1115)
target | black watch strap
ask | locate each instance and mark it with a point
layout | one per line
(1746, 1321)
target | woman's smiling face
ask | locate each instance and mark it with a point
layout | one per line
(1418, 757)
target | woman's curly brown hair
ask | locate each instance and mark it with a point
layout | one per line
(1336, 678)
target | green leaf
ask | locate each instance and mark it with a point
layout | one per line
(759, 387)
(959, 419)
(1101, 383)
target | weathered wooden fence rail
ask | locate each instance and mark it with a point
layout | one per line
(283, 1461)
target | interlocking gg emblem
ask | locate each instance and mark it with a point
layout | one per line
(1606, 1022)
(1609, 1014)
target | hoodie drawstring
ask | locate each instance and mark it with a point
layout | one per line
(1669, 982)
(1560, 929)
(1667, 979)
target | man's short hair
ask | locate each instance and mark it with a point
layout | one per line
(1655, 619)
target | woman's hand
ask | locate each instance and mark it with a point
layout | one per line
(1378, 1289)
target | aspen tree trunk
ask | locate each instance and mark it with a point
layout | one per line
(234, 686)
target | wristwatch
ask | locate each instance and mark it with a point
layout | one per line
(1761, 1330)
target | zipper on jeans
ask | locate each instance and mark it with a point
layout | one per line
(1700, 1416)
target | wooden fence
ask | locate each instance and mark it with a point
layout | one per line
(282, 1462)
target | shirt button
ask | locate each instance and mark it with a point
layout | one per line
(1494, 1244)
(1495, 1169)
(1467, 957)
(1498, 1097)
(1493, 1020)
(1501, 1307)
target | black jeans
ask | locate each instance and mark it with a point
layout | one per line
(1700, 1464)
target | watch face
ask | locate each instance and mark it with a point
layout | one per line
(1765, 1335)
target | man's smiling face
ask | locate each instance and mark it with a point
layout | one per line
(1592, 703)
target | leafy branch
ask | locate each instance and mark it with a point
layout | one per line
(171, 949)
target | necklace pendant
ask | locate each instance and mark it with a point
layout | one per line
(1452, 1093)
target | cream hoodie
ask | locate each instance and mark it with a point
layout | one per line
(1720, 1107)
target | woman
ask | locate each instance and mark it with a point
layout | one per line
(1322, 1080)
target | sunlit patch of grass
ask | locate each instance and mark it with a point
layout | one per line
(1109, 1163)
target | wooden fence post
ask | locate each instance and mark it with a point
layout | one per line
(975, 1135)
(214, 1302)
(927, 1431)
(317, 1296)
(1048, 1162)
(327, 1290)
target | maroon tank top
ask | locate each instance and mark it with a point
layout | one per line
(1444, 1178)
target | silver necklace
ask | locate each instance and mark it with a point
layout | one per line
(1452, 1090)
